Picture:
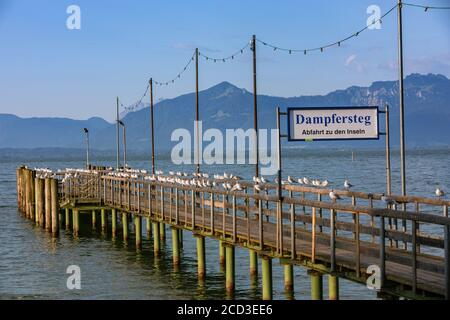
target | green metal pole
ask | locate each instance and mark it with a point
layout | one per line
(201, 266)
(125, 226)
(316, 285)
(229, 268)
(289, 278)
(253, 264)
(156, 239)
(138, 231)
(333, 287)
(114, 222)
(266, 264)
(175, 247)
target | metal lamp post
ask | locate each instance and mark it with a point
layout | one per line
(86, 133)
(124, 144)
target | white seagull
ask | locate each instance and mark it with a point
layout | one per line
(334, 196)
(347, 184)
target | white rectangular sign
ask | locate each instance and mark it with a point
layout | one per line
(352, 123)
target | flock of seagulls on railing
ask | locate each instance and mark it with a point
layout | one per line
(226, 181)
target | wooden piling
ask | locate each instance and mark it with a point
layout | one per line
(103, 219)
(230, 275)
(162, 231)
(288, 278)
(138, 231)
(253, 264)
(94, 220)
(148, 227)
(180, 236)
(36, 200)
(40, 202)
(125, 226)
(221, 254)
(156, 239)
(75, 222)
(266, 264)
(113, 223)
(333, 287)
(48, 204)
(201, 265)
(175, 247)
(55, 206)
(67, 212)
(316, 285)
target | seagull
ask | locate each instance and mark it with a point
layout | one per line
(439, 192)
(236, 187)
(347, 184)
(264, 180)
(290, 179)
(305, 180)
(388, 200)
(324, 183)
(334, 196)
(257, 188)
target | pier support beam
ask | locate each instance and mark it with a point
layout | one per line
(221, 254)
(253, 264)
(229, 268)
(94, 219)
(36, 200)
(113, 223)
(162, 231)
(41, 202)
(175, 247)
(180, 236)
(125, 226)
(288, 278)
(138, 231)
(156, 239)
(148, 227)
(55, 207)
(67, 218)
(103, 220)
(48, 205)
(75, 222)
(266, 264)
(333, 287)
(201, 265)
(316, 285)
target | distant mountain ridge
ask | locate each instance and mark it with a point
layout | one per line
(427, 115)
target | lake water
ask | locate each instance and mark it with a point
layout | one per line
(33, 265)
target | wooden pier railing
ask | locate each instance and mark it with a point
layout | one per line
(404, 240)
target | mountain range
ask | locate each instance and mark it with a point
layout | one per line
(427, 116)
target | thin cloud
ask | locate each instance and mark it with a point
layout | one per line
(350, 59)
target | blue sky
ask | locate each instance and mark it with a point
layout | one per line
(48, 70)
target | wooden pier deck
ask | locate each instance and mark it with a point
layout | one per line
(406, 241)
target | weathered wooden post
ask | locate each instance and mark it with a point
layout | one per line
(180, 236)
(27, 193)
(289, 278)
(138, 231)
(230, 275)
(75, 222)
(148, 227)
(55, 207)
(316, 285)
(94, 220)
(41, 202)
(201, 265)
(253, 264)
(221, 254)
(333, 287)
(36, 200)
(266, 263)
(48, 204)
(67, 212)
(156, 239)
(113, 223)
(32, 196)
(125, 226)
(103, 219)
(175, 247)
(162, 231)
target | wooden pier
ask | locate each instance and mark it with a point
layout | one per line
(404, 241)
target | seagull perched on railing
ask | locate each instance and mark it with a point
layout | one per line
(347, 184)
(334, 196)
(388, 200)
(290, 179)
(324, 184)
(439, 192)
(236, 187)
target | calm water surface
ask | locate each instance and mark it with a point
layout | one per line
(33, 265)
